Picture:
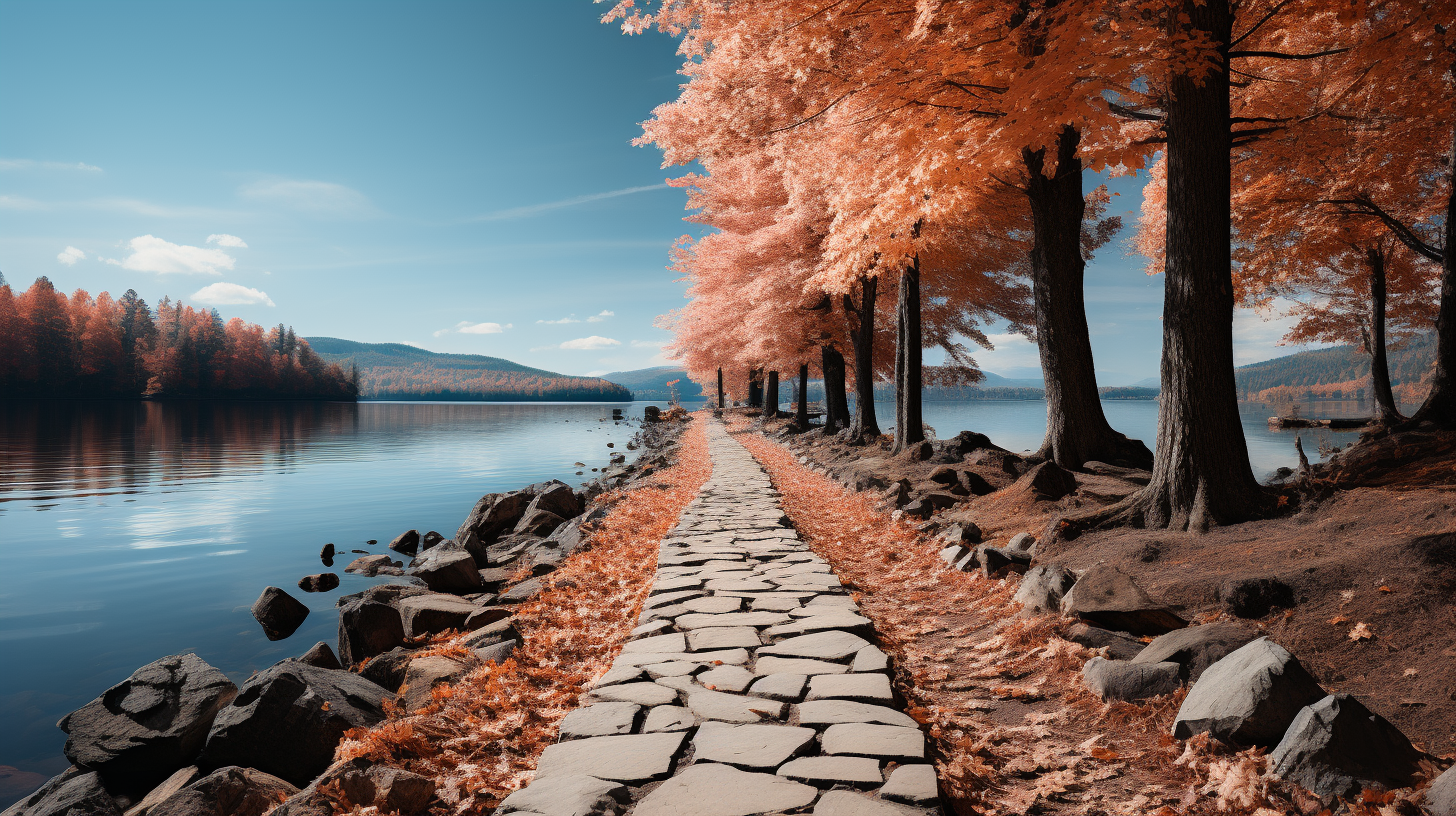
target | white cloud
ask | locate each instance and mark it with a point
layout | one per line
(597, 318)
(70, 256)
(1011, 351)
(31, 164)
(19, 203)
(1258, 333)
(466, 327)
(588, 343)
(322, 198)
(152, 254)
(537, 209)
(648, 344)
(225, 240)
(231, 294)
(562, 321)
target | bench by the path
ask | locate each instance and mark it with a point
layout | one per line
(751, 685)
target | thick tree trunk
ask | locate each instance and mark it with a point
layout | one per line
(771, 396)
(801, 403)
(836, 407)
(1440, 404)
(1387, 413)
(863, 428)
(755, 388)
(1077, 429)
(1202, 475)
(720, 389)
(909, 422)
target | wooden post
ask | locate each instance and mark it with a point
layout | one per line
(771, 396)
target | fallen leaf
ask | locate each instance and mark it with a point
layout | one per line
(1104, 754)
(1410, 673)
(1361, 632)
(1339, 619)
(1386, 589)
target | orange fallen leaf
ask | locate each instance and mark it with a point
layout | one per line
(1386, 589)
(1104, 754)
(1339, 619)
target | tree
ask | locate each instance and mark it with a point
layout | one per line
(49, 354)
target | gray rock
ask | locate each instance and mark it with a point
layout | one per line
(735, 708)
(230, 791)
(829, 712)
(321, 655)
(1121, 680)
(387, 670)
(834, 770)
(1047, 481)
(141, 730)
(424, 674)
(1196, 648)
(999, 561)
(724, 637)
(697, 620)
(711, 789)
(726, 678)
(557, 498)
(895, 742)
(1338, 747)
(1248, 698)
(631, 759)
(407, 542)
(1043, 586)
(1119, 645)
(444, 569)
(667, 718)
(643, 694)
(755, 747)
(1255, 597)
(497, 652)
(367, 628)
(169, 786)
(1109, 598)
(492, 515)
(279, 613)
(817, 646)
(577, 795)
(599, 720)
(287, 720)
(912, 785)
(538, 522)
(789, 665)
(321, 582)
(372, 565)
(786, 687)
(674, 642)
(522, 592)
(870, 659)
(433, 613)
(390, 790)
(847, 803)
(1440, 797)
(496, 632)
(72, 793)
(431, 539)
(866, 688)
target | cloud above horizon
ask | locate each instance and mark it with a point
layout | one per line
(231, 294)
(466, 327)
(320, 198)
(590, 343)
(568, 319)
(603, 315)
(225, 240)
(537, 209)
(152, 254)
(70, 255)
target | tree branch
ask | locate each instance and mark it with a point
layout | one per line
(1284, 56)
(1403, 233)
(1133, 113)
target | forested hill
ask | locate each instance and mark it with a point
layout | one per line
(398, 371)
(1340, 372)
(652, 383)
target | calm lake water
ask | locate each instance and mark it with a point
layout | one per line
(130, 531)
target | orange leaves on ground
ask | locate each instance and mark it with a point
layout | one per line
(480, 737)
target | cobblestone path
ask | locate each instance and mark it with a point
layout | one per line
(751, 685)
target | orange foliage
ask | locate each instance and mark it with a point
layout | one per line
(480, 737)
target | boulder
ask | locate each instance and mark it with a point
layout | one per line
(391, 790)
(387, 670)
(430, 539)
(141, 730)
(1196, 648)
(230, 791)
(327, 555)
(574, 795)
(492, 633)
(569, 537)
(1007, 462)
(945, 475)
(433, 613)
(998, 561)
(74, 792)
(963, 532)
(975, 484)
(372, 565)
(1255, 597)
(651, 413)
(963, 443)
(445, 569)
(557, 498)
(522, 592)
(484, 616)
(1249, 697)
(1047, 481)
(1023, 542)
(497, 652)
(1119, 645)
(1440, 797)
(407, 542)
(1121, 680)
(1043, 586)
(279, 613)
(538, 522)
(494, 514)
(424, 673)
(1108, 597)
(287, 720)
(368, 627)
(321, 655)
(322, 582)
(1338, 747)
(927, 503)
(897, 494)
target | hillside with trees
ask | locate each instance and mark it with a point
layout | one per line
(52, 345)
(400, 372)
(1341, 372)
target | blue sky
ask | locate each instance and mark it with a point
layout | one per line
(453, 175)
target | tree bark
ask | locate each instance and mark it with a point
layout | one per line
(1202, 475)
(1387, 412)
(909, 379)
(1440, 404)
(771, 396)
(836, 407)
(863, 428)
(720, 389)
(1077, 429)
(755, 388)
(801, 406)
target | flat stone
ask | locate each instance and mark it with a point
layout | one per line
(665, 598)
(833, 770)
(830, 712)
(678, 683)
(820, 645)
(643, 694)
(726, 678)
(711, 789)
(576, 795)
(663, 612)
(667, 718)
(870, 659)
(633, 759)
(836, 601)
(656, 627)
(912, 785)
(879, 741)
(717, 705)
(675, 668)
(736, 657)
(866, 688)
(724, 637)
(836, 619)
(671, 584)
(674, 642)
(774, 603)
(714, 604)
(698, 620)
(789, 665)
(786, 687)
(739, 585)
(755, 747)
(848, 803)
(600, 720)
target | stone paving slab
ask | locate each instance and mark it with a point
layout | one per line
(751, 684)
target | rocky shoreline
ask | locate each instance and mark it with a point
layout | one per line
(177, 738)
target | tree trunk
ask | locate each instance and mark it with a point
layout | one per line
(1077, 429)
(909, 423)
(836, 407)
(864, 428)
(1387, 413)
(755, 388)
(801, 407)
(720, 389)
(1202, 475)
(1440, 404)
(771, 396)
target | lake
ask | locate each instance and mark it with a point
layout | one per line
(130, 531)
